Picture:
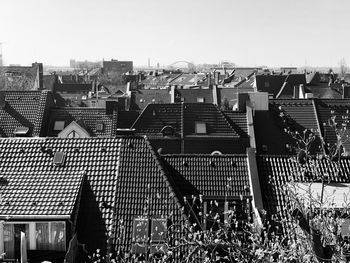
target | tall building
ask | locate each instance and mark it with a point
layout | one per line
(115, 67)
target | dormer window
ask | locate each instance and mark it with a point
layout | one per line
(58, 126)
(168, 130)
(200, 127)
(200, 99)
(99, 126)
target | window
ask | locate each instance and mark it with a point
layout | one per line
(73, 134)
(39, 236)
(59, 158)
(93, 103)
(50, 236)
(99, 126)
(58, 126)
(200, 99)
(266, 84)
(12, 239)
(201, 128)
(149, 233)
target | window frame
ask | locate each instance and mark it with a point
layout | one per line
(31, 239)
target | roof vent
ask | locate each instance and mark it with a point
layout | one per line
(59, 158)
(103, 149)
(185, 163)
(212, 164)
(76, 150)
(130, 145)
(233, 164)
(160, 150)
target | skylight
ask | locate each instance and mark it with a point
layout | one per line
(201, 127)
(59, 158)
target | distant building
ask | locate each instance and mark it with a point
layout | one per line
(22, 78)
(116, 68)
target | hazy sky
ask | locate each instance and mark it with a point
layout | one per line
(246, 32)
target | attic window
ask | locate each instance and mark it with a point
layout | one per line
(59, 158)
(200, 99)
(58, 126)
(99, 126)
(21, 131)
(201, 127)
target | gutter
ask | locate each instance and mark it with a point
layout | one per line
(28, 217)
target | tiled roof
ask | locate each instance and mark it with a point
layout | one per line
(158, 81)
(328, 108)
(72, 87)
(204, 112)
(301, 111)
(188, 79)
(120, 174)
(209, 175)
(273, 84)
(88, 117)
(126, 118)
(182, 117)
(34, 186)
(143, 188)
(24, 109)
(276, 171)
(238, 120)
(269, 126)
(156, 116)
(141, 98)
(191, 95)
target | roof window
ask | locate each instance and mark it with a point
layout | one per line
(59, 158)
(21, 131)
(200, 99)
(58, 126)
(200, 127)
(99, 126)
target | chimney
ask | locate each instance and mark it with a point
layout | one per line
(209, 79)
(242, 101)
(296, 92)
(172, 94)
(2, 100)
(346, 91)
(128, 86)
(111, 106)
(301, 91)
(216, 77)
(215, 94)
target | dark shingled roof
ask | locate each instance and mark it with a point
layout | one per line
(209, 175)
(88, 117)
(24, 109)
(182, 117)
(31, 185)
(141, 98)
(120, 174)
(269, 127)
(326, 109)
(277, 170)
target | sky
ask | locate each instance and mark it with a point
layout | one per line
(246, 32)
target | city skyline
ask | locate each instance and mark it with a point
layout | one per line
(247, 33)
